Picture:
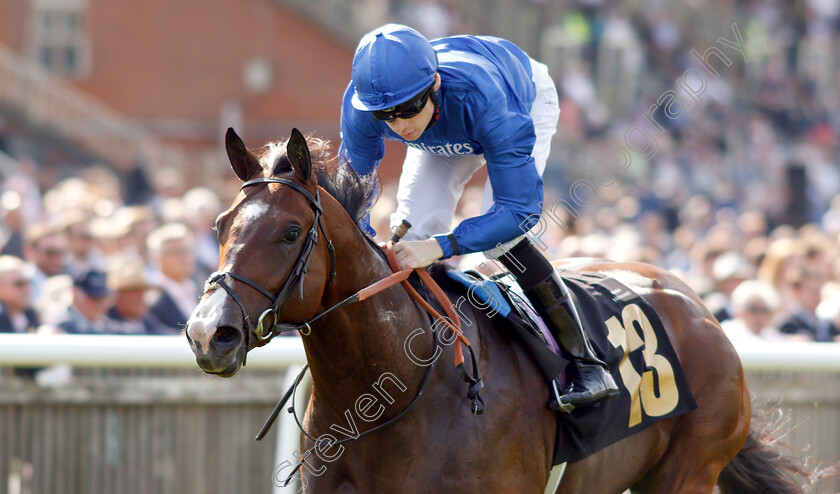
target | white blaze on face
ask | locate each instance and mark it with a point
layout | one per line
(207, 314)
(248, 213)
(205, 319)
(253, 210)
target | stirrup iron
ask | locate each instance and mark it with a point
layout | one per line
(557, 405)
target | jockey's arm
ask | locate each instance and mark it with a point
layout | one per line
(361, 146)
(518, 193)
(517, 190)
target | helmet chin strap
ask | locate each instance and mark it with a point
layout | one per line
(436, 116)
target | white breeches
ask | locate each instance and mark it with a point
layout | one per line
(430, 184)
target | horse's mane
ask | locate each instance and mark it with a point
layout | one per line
(355, 193)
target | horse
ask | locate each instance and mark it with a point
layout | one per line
(293, 230)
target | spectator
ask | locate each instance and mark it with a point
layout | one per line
(752, 224)
(56, 295)
(171, 248)
(91, 299)
(25, 183)
(201, 207)
(80, 241)
(802, 288)
(12, 234)
(753, 305)
(817, 250)
(16, 313)
(782, 254)
(108, 237)
(136, 222)
(729, 271)
(46, 249)
(129, 314)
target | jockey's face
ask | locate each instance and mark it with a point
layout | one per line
(412, 128)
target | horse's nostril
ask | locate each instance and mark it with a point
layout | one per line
(225, 334)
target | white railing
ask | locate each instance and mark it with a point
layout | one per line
(118, 351)
(46, 100)
(762, 356)
(172, 352)
(126, 351)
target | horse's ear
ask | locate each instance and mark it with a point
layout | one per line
(243, 162)
(297, 151)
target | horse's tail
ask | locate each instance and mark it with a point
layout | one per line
(759, 467)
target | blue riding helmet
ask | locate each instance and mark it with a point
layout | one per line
(392, 64)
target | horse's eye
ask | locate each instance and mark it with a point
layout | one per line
(292, 234)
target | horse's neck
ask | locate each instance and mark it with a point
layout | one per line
(351, 349)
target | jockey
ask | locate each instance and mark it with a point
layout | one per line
(460, 103)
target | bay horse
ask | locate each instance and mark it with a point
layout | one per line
(292, 230)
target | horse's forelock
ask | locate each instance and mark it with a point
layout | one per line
(354, 193)
(274, 153)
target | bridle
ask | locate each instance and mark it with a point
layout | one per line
(267, 326)
(265, 331)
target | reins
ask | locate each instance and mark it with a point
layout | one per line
(453, 322)
(266, 332)
(474, 382)
(292, 392)
(399, 276)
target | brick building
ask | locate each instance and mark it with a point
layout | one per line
(185, 70)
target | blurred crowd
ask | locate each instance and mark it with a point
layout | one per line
(79, 259)
(741, 199)
(760, 282)
(763, 136)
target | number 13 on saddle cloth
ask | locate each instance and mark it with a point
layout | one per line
(626, 332)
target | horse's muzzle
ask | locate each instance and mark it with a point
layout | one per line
(221, 356)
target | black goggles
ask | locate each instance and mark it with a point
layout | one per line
(407, 109)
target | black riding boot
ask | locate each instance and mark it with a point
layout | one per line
(545, 290)
(593, 382)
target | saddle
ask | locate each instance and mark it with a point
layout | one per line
(624, 331)
(501, 295)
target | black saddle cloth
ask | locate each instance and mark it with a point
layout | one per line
(627, 334)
